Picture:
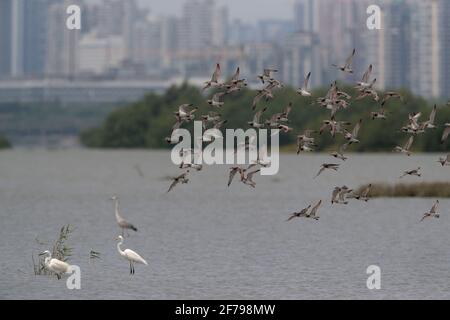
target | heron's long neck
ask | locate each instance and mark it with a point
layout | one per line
(116, 203)
(119, 249)
(47, 259)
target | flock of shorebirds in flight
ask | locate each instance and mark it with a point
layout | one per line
(334, 100)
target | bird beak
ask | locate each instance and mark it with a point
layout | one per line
(41, 254)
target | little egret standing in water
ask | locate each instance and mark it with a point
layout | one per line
(130, 255)
(57, 266)
(123, 224)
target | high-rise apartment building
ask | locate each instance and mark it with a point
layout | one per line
(62, 43)
(425, 48)
(5, 37)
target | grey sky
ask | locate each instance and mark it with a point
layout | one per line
(246, 10)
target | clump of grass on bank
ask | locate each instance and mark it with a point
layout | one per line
(419, 190)
(60, 251)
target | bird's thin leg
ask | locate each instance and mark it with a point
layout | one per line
(128, 235)
(122, 232)
(131, 270)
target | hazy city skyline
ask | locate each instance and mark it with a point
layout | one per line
(168, 43)
(248, 10)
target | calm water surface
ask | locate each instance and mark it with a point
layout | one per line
(207, 241)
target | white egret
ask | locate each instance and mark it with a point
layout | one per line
(130, 255)
(57, 266)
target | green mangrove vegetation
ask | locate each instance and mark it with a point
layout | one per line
(144, 124)
(4, 143)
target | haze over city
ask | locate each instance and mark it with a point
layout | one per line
(249, 11)
(141, 45)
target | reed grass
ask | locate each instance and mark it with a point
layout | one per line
(405, 190)
(60, 250)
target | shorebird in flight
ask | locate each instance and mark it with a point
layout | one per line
(333, 126)
(365, 83)
(284, 116)
(363, 195)
(172, 140)
(305, 142)
(214, 82)
(215, 100)
(340, 153)
(213, 133)
(330, 98)
(274, 121)
(378, 114)
(391, 94)
(433, 212)
(344, 95)
(445, 161)
(347, 67)
(182, 178)
(179, 121)
(414, 172)
(233, 171)
(184, 114)
(235, 84)
(446, 132)
(257, 123)
(194, 166)
(262, 158)
(266, 75)
(274, 83)
(190, 155)
(264, 93)
(213, 117)
(306, 136)
(352, 137)
(335, 194)
(248, 179)
(235, 78)
(369, 92)
(301, 214)
(339, 194)
(250, 144)
(303, 91)
(332, 166)
(284, 128)
(344, 192)
(313, 213)
(430, 123)
(413, 126)
(406, 147)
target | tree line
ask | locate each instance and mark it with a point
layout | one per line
(145, 124)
